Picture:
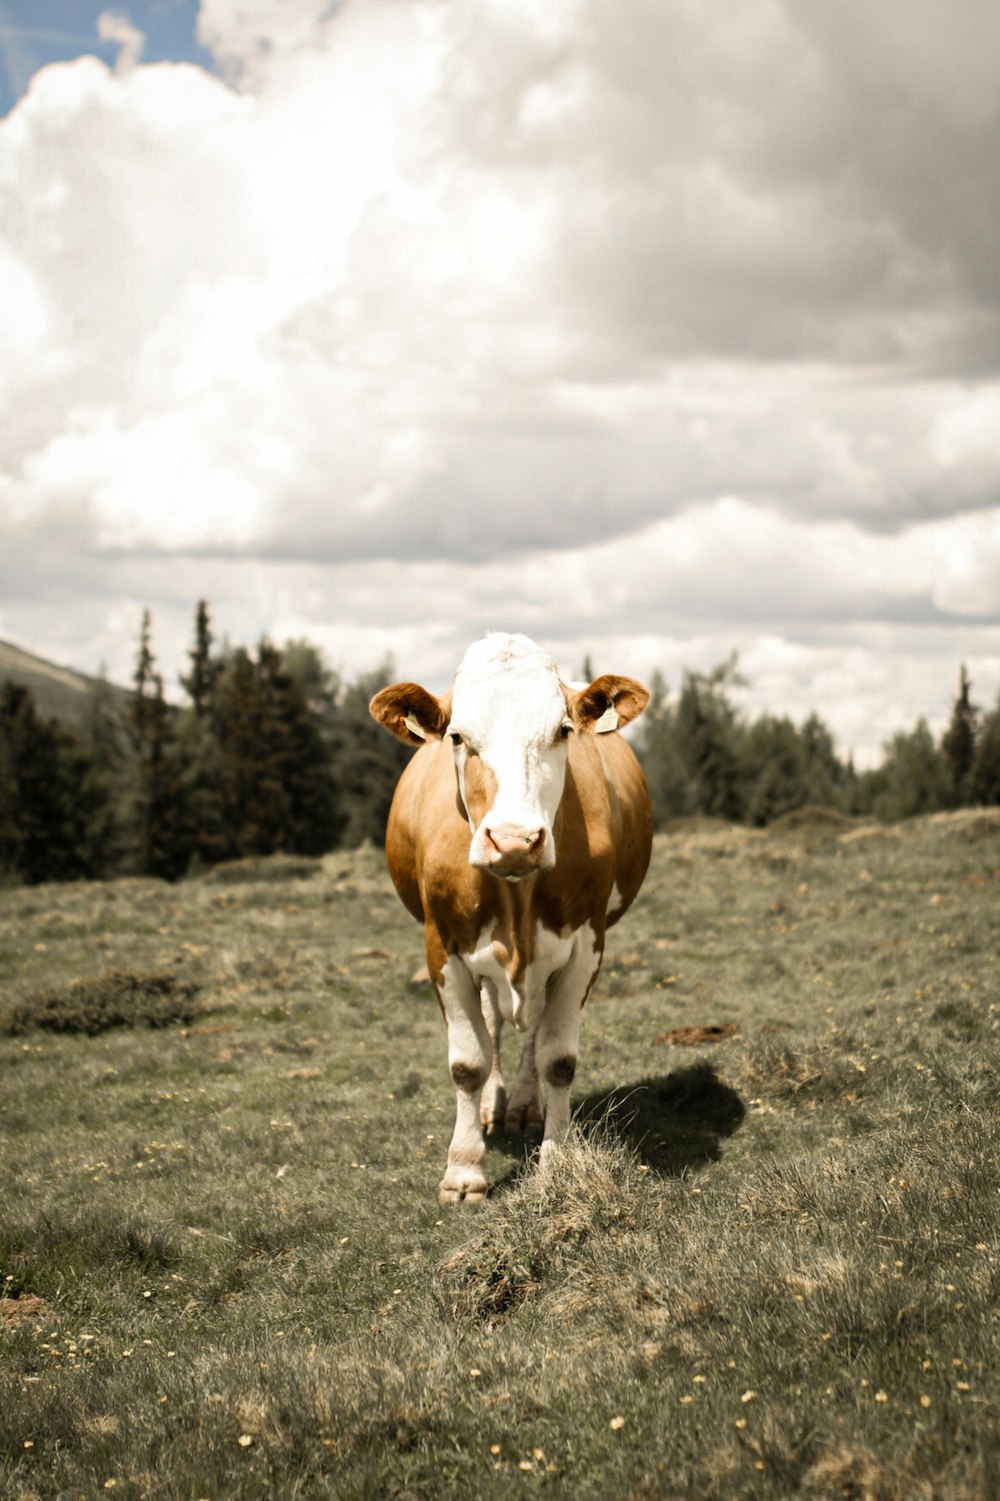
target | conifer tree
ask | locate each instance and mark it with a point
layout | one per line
(913, 777)
(319, 685)
(49, 805)
(143, 681)
(311, 821)
(158, 816)
(984, 778)
(708, 736)
(958, 744)
(773, 770)
(784, 768)
(144, 688)
(199, 682)
(366, 763)
(200, 757)
(279, 792)
(656, 744)
(105, 740)
(236, 716)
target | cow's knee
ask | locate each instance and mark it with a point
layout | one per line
(558, 1071)
(468, 1077)
(561, 1071)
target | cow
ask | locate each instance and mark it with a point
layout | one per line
(518, 833)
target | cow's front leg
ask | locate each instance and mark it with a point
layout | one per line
(557, 1040)
(469, 1053)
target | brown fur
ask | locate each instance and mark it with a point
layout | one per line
(603, 835)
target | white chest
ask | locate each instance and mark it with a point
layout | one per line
(522, 1000)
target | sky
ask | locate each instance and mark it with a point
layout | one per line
(654, 332)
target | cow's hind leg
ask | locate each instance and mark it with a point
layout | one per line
(524, 1108)
(493, 1106)
(469, 1055)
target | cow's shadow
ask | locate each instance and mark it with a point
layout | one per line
(675, 1123)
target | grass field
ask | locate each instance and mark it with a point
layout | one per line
(767, 1264)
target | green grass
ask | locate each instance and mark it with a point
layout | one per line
(762, 1268)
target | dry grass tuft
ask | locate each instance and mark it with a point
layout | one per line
(565, 1231)
(846, 1475)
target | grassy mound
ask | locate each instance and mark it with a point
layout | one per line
(92, 1004)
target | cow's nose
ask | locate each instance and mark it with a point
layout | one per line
(507, 842)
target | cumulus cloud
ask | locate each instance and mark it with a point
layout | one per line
(425, 318)
(114, 27)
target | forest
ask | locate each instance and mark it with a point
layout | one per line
(272, 752)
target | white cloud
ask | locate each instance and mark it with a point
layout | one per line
(114, 27)
(679, 333)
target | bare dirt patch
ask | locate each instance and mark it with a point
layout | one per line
(690, 1037)
(22, 1310)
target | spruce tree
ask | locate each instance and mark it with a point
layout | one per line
(158, 815)
(773, 766)
(784, 768)
(656, 745)
(49, 803)
(366, 763)
(106, 742)
(708, 737)
(984, 778)
(199, 683)
(311, 822)
(913, 778)
(201, 763)
(958, 744)
(248, 791)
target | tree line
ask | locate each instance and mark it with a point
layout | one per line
(272, 752)
(702, 756)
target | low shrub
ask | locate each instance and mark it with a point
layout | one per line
(92, 1004)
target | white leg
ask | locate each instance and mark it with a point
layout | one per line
(558, 1038)
(493, 1106)
(469, 1052)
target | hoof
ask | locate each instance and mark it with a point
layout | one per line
(462, 1185)
(523, 1117)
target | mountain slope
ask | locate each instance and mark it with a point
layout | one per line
(59, 692)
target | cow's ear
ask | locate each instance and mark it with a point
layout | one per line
(608, 703)
(410, 713)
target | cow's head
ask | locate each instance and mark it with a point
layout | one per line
(509, 720)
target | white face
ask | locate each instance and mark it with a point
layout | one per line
(509, 726)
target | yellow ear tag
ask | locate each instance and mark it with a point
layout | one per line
(607, 722)
(413, 727)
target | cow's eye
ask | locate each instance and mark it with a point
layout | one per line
(454, 737)
(565, 729)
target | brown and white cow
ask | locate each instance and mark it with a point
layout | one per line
(518, 833)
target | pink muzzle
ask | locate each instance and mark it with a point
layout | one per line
(511, 850)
